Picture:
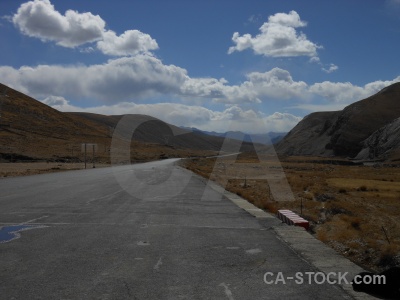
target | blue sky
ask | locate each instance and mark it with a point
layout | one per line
(254, 66)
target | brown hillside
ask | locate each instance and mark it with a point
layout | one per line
(309, 136)
(159, 132)
(342, 133)
(33, 129)
(30, 129)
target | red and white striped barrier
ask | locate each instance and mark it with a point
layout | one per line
(289, 217)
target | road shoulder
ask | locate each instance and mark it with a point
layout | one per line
(313, 251)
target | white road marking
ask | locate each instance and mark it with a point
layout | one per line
(227, 291)
(33, 220)
(158, 264)
(106, 196)
(253, 251)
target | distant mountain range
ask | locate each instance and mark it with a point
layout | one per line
(30, 129)
(266, 139)
(367, 129)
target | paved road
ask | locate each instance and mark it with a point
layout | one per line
(140, 232)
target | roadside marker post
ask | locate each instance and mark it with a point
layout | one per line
(84, 149)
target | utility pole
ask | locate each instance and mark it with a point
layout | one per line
(93, 157)
(84, 149)
(85, 155)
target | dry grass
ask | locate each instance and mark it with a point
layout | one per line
(68, 160)
(32, 168)
(350, 207)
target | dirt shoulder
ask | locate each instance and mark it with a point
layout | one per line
(353, 208)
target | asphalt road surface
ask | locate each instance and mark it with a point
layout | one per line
(148, 231)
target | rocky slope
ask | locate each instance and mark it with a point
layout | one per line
(342, 133)
(383, 143)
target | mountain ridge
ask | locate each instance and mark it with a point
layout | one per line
(31, 129)
(266, 139)
(342, 133)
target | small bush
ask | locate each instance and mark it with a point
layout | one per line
(362, 188)
(387, 260)
(389, 257)
(355, 224)
(324, 197)
(343, 191)
(334, 210)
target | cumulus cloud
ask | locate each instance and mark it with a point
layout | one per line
(117, 80)
(277, 38)
(55, 101)
(232, 118)
(337, 91)
(281, 122)
(319, 107)
(204, 87)
(274, 84)
(141, 76)
(332, 68)
(129, 43)
(347, 92)
(326, 68)
(40, 19)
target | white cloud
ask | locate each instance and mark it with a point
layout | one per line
(131, 42)
(254, 19)
(232, 118)
(281, 122)
(326, 68)
(277, 38)
(39, 19)
(55, 101)
(117, 80)
(141, 76)
(346, 92)
(338, 91)
(204, 87)
(275, 84)
(332, 68)
(320, 107)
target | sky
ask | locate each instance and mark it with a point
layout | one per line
(217, 65)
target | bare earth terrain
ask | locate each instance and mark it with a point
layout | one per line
(352, 208)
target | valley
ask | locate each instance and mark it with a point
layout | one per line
(352, 204)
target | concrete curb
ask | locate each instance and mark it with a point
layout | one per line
(315, 252)
(242, 203)
(320, 256)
